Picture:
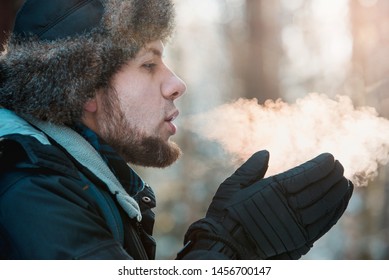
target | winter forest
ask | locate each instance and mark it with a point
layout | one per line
(296, 77)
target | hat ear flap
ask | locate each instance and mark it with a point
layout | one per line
(51, 81)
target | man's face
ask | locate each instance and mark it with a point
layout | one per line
(136, 115)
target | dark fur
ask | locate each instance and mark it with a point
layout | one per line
(53, 80)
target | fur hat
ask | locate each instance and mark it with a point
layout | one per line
(60, 52)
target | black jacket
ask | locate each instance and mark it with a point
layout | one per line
(58, 200)
(52, 208)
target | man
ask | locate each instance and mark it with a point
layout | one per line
(84, 90)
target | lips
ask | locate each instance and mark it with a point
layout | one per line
(169, 120)
(172, 116)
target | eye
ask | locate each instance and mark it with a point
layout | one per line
(149, 66)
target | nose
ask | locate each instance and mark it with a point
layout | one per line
(173, 87)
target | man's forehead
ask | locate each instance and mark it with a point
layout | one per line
(153, 48)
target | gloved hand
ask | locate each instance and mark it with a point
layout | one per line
(277, 217)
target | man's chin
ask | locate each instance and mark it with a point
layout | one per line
(152, 152)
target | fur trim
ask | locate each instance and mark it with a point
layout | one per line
(51, 80)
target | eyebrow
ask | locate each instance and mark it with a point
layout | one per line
(152, 50)
(155, 51)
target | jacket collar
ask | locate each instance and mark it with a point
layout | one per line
(74, 144)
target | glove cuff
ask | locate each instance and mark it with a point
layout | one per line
(209, 236)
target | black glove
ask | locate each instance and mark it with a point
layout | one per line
(277, 217)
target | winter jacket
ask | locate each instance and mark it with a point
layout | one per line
(59, 200)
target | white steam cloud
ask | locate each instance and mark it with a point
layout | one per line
(295, 133)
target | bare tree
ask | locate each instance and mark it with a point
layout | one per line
(263, 49)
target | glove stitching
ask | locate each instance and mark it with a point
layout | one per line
(291, 211)
(270, 224)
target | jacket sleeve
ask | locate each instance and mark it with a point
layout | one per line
(46, 216)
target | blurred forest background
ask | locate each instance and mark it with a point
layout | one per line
(269, 49)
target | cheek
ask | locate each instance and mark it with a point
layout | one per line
(142, 117)
(136, 98)
(141, 107)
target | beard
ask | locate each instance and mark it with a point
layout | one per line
(133, 145)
